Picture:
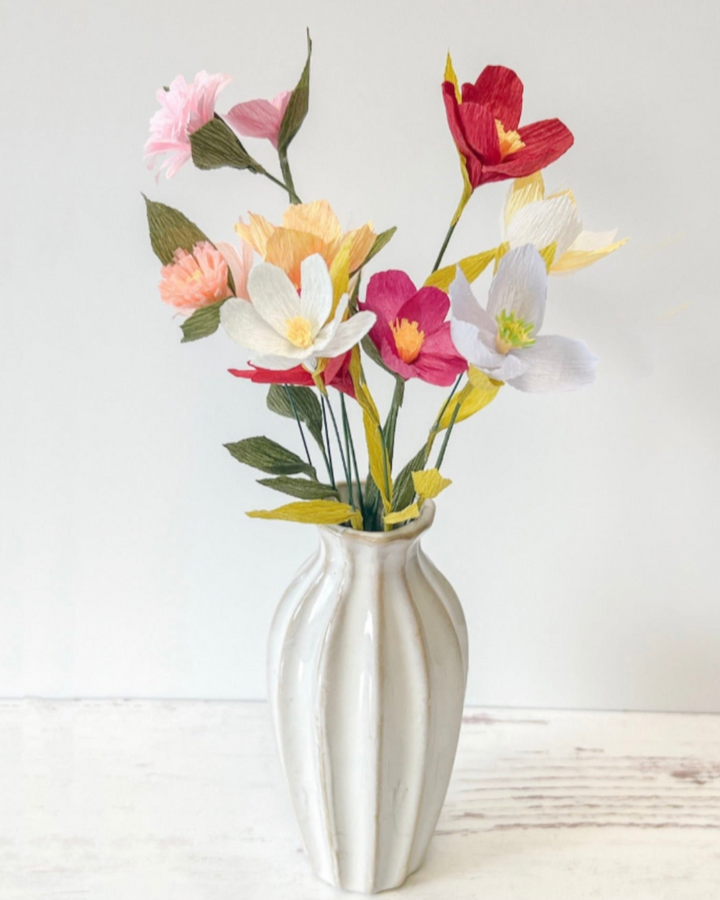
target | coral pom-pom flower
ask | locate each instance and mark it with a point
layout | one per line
(183, 109)
(196, 279)
(282, 328)
(411, 332)
(501, 340)
(259, 118)
(484, 120)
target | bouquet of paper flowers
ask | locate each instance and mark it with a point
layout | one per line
(292, 295)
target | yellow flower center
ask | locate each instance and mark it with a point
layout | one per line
(509, 140)
(298, 331)
(512, 332)
(197, 275)
(408, 339)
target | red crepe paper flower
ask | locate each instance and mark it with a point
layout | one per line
(485, 124)
(410, 331)
(336, 374)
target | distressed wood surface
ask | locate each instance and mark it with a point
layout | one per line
(152, 800)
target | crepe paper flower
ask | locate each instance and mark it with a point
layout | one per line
(411, 332)
(501, 341)
(259, 118)
(307, 228)
(283, 329)
(335, 374)
(239, 265)
(184, 108)
(530, 217)
(196, 279)
(484, 120)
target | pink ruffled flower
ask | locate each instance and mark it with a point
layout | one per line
(410, 331)
(183, 109)
(195, 279)
(259, 118)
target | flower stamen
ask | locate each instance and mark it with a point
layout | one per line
(510, 141)
(298, 331)
(512, 332)
(408, 339)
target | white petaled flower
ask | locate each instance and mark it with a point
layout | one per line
(502, 340)
(531, 218)
(283, 329)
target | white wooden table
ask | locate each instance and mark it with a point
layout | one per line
(154, 800)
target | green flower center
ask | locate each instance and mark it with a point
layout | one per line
(512, 332)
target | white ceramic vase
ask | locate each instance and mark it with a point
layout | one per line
(367, 674)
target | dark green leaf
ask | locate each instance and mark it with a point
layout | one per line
(301, 487)
(202, 322)
(297, 107)
(373, 506)
(404, 489)
(268, 456)
(215, 146)
(170, 230)
(381, 241)
(280, 400)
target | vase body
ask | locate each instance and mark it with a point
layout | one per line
(367, 674)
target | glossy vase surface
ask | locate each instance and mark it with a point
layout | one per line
(367, 675)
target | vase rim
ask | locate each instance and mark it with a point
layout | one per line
(404, 533)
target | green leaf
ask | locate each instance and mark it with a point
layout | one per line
(373, 505)
(202, 323)
(297, 107)
(301, 487)
(404, 488)
(268, 456)
(382, 240)
(280, 400)
(215, 146)
(170, 230)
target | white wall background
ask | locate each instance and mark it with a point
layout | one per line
(582, 530)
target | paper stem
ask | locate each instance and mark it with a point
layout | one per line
(291, 400)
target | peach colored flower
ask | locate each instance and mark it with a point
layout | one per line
(307, 228)
(195, 279)
(184, 108)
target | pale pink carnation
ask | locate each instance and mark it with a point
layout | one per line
(195, 279)
(183, 109)
(259, 118)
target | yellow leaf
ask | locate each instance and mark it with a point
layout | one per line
(403, 515)
(314, 512)
(340, 273)
(475, 396)
(377, 457)
(548, 254)
(429, 483)
(578, 259)
(501, 251)
(452, 77)
(466, 192)
(472, 267)
(523, 191)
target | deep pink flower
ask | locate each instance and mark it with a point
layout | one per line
(336, 374)
(411, 332)
(183, 109)
(259, 118)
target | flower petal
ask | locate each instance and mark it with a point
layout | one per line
(555, 363)
(239, 266)
(466, 308)
(348, 334)
(256, 233)
(315, 218)
(386, 292)
(241, 321)
(501, 91)
(428, 307)
(523, 191)
(479, 126)
(274, 296)
(477, 347)
(316, 294)
(520, 286)
(545, 222)
(544, 142)
(255, 118)
(287, 248)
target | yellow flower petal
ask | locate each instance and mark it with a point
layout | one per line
(362, 240)
(340, 272)
(523, 191)
(287, 249)
(315, 218)
(313, 512)
(429, 483)
(256, 233)
(578, 259)
(402, 515)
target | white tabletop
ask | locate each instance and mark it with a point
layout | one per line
(183, 800)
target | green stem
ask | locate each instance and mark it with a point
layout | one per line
(391, 421)
(291, 400)
(441, 454)
(436, 426)
(348, 433)
(287, 176)
(290, 191)
(348, 479)
(445, 244)
(328, 452)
